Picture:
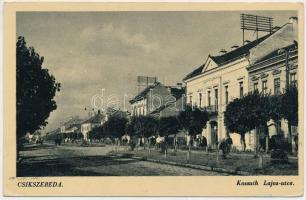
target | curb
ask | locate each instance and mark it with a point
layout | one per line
(193, 166)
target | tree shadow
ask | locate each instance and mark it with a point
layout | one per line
(30, 167)
(38, 147)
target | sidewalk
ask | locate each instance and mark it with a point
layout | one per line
(234, 154)
(237, 164)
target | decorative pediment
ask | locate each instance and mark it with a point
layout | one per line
(264, 75)
(255, 78)
(226, 82)
(209, 64)
(240, 78)
(276, 71)
(293, 66)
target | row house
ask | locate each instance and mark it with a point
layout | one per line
(71, 125)
(91, 123)
(273, 65)
(158, 100)
(225, 77)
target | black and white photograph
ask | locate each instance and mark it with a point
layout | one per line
(157, 93)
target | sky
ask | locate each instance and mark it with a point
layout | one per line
(88, 52)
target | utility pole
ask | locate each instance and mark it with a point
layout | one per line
(287, 68)
(286, 52)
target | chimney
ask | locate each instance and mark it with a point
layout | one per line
(275, 28)
(223, 51)
(234, 47)
(179, 85)
(293, 20)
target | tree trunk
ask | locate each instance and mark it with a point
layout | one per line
(242, 140)
(267, 143)
(175, 143)
(17, 149)
(188, 152)
(260, 161)
(149, 144)
(143, 142)
(166, 151)
(256, 143)
(289, 137)
(217, 152)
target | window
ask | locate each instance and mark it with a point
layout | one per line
(216, 98)
(293, 79)
(264, 87)
(277, 86)
(226, 94)
(190, 100)
(255, 86)
(241, 89)
(200, 99)
(208, 98)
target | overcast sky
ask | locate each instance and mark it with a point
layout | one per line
(88, 51)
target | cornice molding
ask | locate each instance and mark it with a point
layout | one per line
(276, 71)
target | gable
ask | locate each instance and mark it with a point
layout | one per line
(209, 64)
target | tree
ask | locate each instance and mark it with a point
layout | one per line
(192, 120)
(250, 112)
(96, 133)
(115, 126)
(275, 113)
(289, 108)
(142, 126)
(36, 89)
(167, 126)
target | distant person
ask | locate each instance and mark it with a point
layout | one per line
(203, 141)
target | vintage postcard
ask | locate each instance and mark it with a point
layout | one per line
(153, 99)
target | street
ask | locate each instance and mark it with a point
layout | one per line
(51, 160)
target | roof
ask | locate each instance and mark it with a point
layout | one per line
(78, 125)
(174, 90)
(228, 57)
(177, 92)
(283, 37)
(236, 53)
(276, 53)
(95, 119)
(142, 94)
(73, 120)
(194, 73)
(164, 106)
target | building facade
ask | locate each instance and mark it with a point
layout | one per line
(231, 75)
(91, 123)
(213, 87)
(270, 75)
(158, 100)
